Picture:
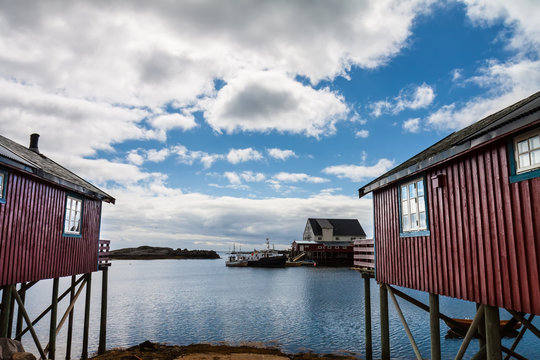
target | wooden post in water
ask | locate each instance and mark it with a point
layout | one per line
(103, 321)
(493, 334)
(385, 326)
(435, 327)
(54, 314)
(367, 315)
(70, 320)
(481, 331)
(11, 312)
(4, 315)
(84, 355)
(22, 294)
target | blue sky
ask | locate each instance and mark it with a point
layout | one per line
(213, 122)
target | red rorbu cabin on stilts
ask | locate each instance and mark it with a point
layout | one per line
(462, 219)
(49, 228)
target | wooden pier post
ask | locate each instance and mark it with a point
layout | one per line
(367, 315)
(103, 321)
(435, 327)
(84, 355)
(54, 314)
(481, 331)
(70, 320)
(493, 335)
(385, 326)
(19, 326)
(4, 315)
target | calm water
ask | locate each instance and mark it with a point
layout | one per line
(188, 301)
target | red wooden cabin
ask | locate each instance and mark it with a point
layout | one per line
(49, 217)
(462, 218)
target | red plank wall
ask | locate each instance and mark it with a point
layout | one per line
(31, 224)
(484, 242)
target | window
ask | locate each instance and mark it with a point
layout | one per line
(413, 207)
(3, 178)
(73, 218)
(527, 151)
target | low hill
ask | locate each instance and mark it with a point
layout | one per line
(152, 253)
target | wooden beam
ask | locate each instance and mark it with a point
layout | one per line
(86, 325)
(29, 323)
(103, 320)
(519, 337)
(70, 321)
(70, 308)
(385, 327)
(435, 327)
(54, 314)
(525, 322)
(18, 328)
(405, 325)
(367, 316)
(470, 333)
(4, 315)
(493, 333)
(49, 308)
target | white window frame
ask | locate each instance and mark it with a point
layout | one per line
(3, 177)
(531, 148)
(73, 215)
(413, 203)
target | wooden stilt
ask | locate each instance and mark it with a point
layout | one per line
(54, 313)
(84, 355)
(405, 325)
(525, 322)
(70, 321)
(470, 333)
(367, 315)
(4, 315)
(519, 337)
(29, 324)
(18, 328)
(493, 335)
(103, 321)
(481, 333)
(435, 327)
(385, 326)
(11, 312)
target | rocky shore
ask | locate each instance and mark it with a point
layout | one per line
(151, 351)
(154, 253)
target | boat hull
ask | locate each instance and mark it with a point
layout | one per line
(272, 261)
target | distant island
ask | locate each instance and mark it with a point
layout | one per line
(154, 253)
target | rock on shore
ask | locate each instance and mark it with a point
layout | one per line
(152, 253)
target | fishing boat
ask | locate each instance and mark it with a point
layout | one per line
(464, 324)
(266, 258)
(236, 259)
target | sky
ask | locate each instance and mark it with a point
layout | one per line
(233, 121)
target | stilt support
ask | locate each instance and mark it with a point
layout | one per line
(70, 321)
(29, 323)
(4, 315)
(405, 325)
(84, 354)
(54, 314)
(103, 321)
(385, 326)
(470, 333)
(367, 314)
(435, 327)
(493, 334)
(18, 328)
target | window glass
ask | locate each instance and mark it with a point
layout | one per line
(535, 157)
(523, 146)
(72, 221)
(413, 206)
(524, 160)
(535, 142)
(2, 177)
(527, 151)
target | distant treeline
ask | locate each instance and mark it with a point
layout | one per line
(152, 253)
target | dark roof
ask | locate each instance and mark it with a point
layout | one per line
(22, 158)
(494, 126)
(342, 227)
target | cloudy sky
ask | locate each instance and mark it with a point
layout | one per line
(213, 122)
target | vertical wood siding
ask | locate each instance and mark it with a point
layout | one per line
(31, 225)
(484, 242)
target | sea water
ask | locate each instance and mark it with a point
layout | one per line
(297, 309)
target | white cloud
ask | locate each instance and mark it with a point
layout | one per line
(233, 178)
(298, 177)
(250, 176)
(412, 125)
(281, 154)
(174, 120)
(457, 74)
(263, 101)
(186, 156)
(189, 219)
(362, 134)
(154, 155)
(236, 156)
(409, 98)
(358, 173)
(135, 158)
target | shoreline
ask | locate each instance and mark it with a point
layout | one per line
(221, 351)
(160, 253)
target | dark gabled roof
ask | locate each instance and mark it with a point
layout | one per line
(342, 227)
(17, 156)
(496, 125)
